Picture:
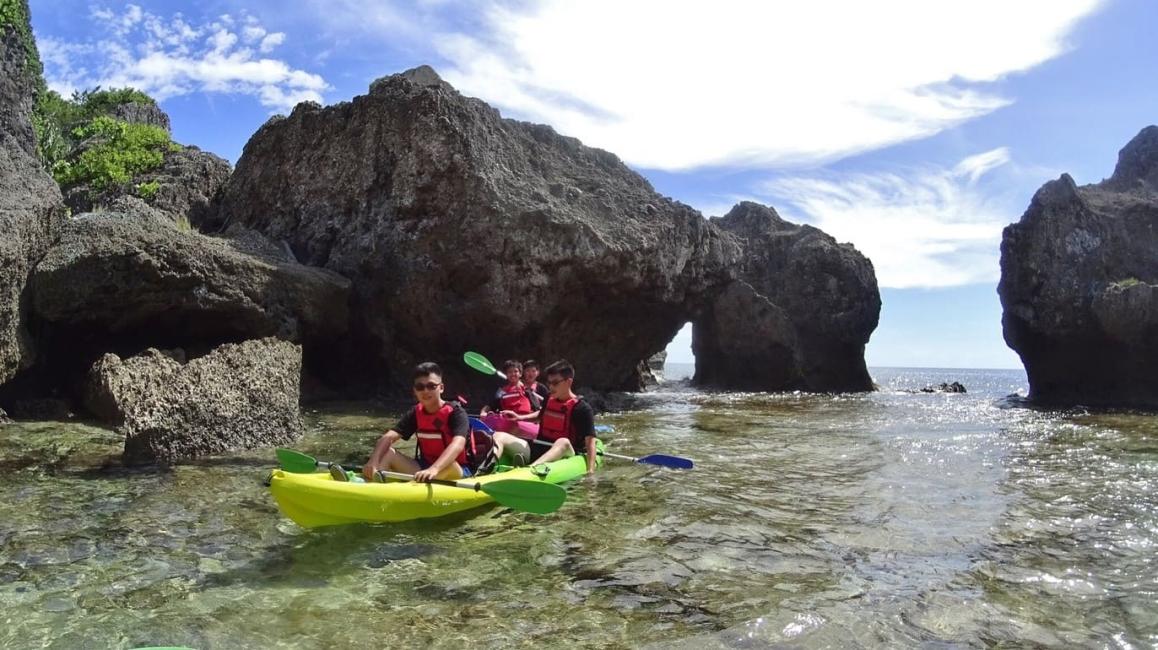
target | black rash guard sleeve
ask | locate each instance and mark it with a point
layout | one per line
(407, 425)
(459, 423)
(582, 422)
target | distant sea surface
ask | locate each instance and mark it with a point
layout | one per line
(877, 520)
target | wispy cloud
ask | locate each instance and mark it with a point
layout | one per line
(928, 227)
(172, 56)
(677, 85)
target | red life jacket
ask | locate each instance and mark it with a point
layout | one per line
(515, 399)
(555, 422)
(434, 433)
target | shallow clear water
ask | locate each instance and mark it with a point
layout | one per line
(871, 520)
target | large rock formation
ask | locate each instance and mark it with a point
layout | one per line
(798, 316)
(124, 280)
(30, 202)
(463, 230)
(1079, 285)
(240, 396)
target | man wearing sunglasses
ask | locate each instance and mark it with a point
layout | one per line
(566, 420)
(442, 429)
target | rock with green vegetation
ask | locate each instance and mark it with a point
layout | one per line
(30, 203)
(1079, 285)
(104, 144)
(112, 153)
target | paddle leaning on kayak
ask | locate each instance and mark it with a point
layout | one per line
(443, 430)
(566, 421)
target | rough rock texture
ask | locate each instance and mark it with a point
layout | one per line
(130, 279)
(111, 380)
(188, 181)
(239, 396)
(1079, 285)
(798, 317)
(462, 230)
(141, 113)
(30, 202)
(4, 419)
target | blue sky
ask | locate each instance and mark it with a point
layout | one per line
(915, 130)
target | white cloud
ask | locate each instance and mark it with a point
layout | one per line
(167, 57)
(271, 41)
(677, 85)
(931, 227)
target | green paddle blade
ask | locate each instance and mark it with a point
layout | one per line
(295, 462)
(528, 496)
(479, 363)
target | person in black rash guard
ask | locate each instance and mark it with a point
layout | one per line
(442, 429)
(531, 381)
(566, 420)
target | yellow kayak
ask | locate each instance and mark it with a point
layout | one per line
(313, 500)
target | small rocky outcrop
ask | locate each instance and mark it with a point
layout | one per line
(652, 370)
(1079, 285)
(797, 317)
(30, 203)
(463, 230)
(239, 396)
(187, 183)
(141, 113)
(128, 279)
(944, 387)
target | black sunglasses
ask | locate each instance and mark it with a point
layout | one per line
(427, 386)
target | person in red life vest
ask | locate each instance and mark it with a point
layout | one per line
(531, 381)
(509, 401)
(442, 429)
(515, 396)
(566, 420)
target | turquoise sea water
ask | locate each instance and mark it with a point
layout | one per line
(877, 520)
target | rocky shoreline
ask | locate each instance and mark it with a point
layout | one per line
(411, 223)
(414, 223)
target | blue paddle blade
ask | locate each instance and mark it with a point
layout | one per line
(674, 462)
(604, 428)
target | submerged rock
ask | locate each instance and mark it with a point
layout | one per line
(1079, 285)
(240, 396)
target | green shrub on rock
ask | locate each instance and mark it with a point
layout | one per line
(65, 125)
(148, 190)
(14, 15)
(112, 152)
